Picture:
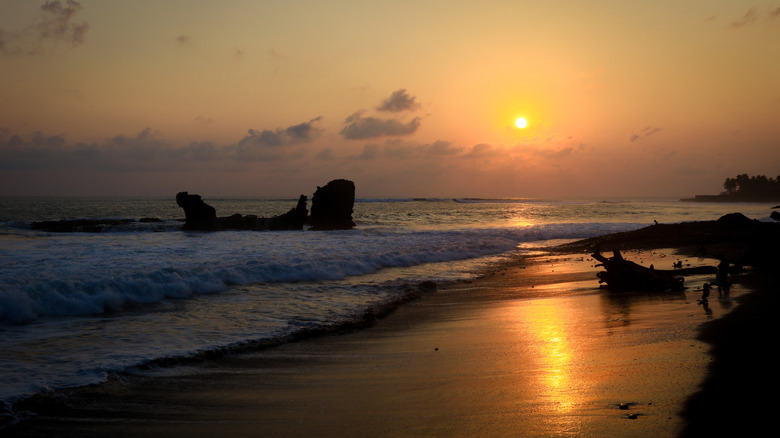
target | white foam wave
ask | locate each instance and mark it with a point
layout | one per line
(93, 274)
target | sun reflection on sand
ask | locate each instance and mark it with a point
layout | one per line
(553, 350)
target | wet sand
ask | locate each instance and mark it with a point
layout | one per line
(739, 395)
(534, 349)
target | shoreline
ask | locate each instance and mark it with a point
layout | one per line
(438, 365)
(474, 358)
(739, 387)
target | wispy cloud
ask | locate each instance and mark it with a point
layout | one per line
(56, 23)
(754, 16)
(750, 17)
(644, 133)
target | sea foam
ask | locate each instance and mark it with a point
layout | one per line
(81, 273)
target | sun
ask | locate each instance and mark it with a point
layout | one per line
(521, 122)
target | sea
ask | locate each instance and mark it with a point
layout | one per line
(77, 307)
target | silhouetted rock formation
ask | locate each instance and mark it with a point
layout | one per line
(292, 220)
(331, 210)
(203, 217)
(198, 214)
(331, 206)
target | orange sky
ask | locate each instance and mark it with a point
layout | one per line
(406, 98)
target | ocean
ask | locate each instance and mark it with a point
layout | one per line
(77, 307)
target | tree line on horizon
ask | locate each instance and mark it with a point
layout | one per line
(751, 185)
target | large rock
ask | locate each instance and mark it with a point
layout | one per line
(292, 220)
(331, 206)
(203, 217)
(198, 214)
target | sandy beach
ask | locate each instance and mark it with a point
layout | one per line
(533, 349)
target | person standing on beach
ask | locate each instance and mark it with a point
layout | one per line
(721, 279)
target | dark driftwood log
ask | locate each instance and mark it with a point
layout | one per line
(621, 274)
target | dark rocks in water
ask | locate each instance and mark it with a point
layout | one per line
(331, 206)
(331, 210)
(198, 215)
(203, 217)
(292, 220)
(237, 222)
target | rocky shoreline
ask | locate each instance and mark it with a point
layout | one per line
(331, 209)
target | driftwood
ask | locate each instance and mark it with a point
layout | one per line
(622, 274)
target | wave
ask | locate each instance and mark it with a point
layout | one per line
(492, 200)
(396, 200)
(95, 274)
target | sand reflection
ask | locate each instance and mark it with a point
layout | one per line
(551, 341)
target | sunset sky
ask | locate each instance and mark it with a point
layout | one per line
(405, 98)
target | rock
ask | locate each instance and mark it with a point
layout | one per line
(198, 214)
(331, 210)
(331, 206)
(735, 220)
(238, 222)
(292, 220)
(203, 217)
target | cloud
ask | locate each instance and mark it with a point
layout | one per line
(398, 101)
(370, 151)
(753, 16)
(399, 149)
(442, 148)
(554, 154)
(140, 152)
(295, 134)
(644, 133)
(359, 127)
(325, 155)
(147, 150)
(56, 23)
(204, 120)
(750, 17)
(484, 150)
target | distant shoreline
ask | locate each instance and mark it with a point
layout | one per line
(734, 198)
